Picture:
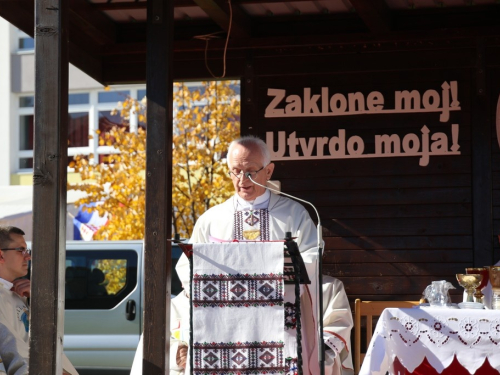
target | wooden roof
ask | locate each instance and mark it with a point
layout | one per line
(108, 37)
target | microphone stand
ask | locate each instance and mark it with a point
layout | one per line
(321, 343)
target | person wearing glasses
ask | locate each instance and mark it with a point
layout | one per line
(14, 291)
(14, 311)
(254, 213)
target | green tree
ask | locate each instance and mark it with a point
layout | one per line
(206, 120)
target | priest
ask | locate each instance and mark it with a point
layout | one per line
(256, 214)
(253, 212)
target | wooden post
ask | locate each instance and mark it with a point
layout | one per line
(482, 206)
(49, 179)
(159, 85)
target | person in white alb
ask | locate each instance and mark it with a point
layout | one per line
(14, 311)
(337, 326)
(255, 213)
(252, 206)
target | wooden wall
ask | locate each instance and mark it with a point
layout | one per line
(392, 226)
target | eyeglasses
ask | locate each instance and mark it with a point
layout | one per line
(22, 250)
(242, 174)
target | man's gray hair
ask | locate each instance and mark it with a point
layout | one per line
(5, 232)
(251, 141)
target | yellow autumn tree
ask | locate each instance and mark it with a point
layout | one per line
(206, 120)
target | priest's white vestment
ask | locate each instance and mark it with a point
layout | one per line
(285, 215)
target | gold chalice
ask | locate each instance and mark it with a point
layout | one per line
(469, 282)
(478, 295)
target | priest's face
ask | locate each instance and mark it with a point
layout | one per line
(243, 159)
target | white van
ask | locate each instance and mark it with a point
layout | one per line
(103, 315)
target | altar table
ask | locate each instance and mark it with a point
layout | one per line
(428, 341)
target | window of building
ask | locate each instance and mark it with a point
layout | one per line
(107, 120)
(113, 96)
(141, 94)
(26, 132)
(82, 98)
(26, 101)
(26, 163)
(25, 42)
(89, 112)
(78, 129)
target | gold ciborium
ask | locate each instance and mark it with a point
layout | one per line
(469, 282)
(478, 295)
(495, 285)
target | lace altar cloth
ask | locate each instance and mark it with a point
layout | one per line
(434, 334)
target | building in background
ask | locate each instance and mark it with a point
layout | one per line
(90, 110)
(90, 107)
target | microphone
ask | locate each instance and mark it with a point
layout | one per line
(320, 236)
(319, 290)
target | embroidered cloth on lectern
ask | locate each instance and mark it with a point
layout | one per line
(238, 309)
(254, 225)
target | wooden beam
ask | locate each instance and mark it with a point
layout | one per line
(127, 5)
(397, 41)
(136, 5)
(19, 13)
(84, 55)
(158, 259)
(482, 179)
(90, 64)
(374, 13)
(133, 72)
(99, 27)
(229, 17)
(83, 17)
(49, 186)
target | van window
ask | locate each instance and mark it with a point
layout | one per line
(98, 280)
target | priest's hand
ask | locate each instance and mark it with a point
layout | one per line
(22, 287)
(181, 357)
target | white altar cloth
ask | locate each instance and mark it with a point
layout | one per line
(436, 333)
